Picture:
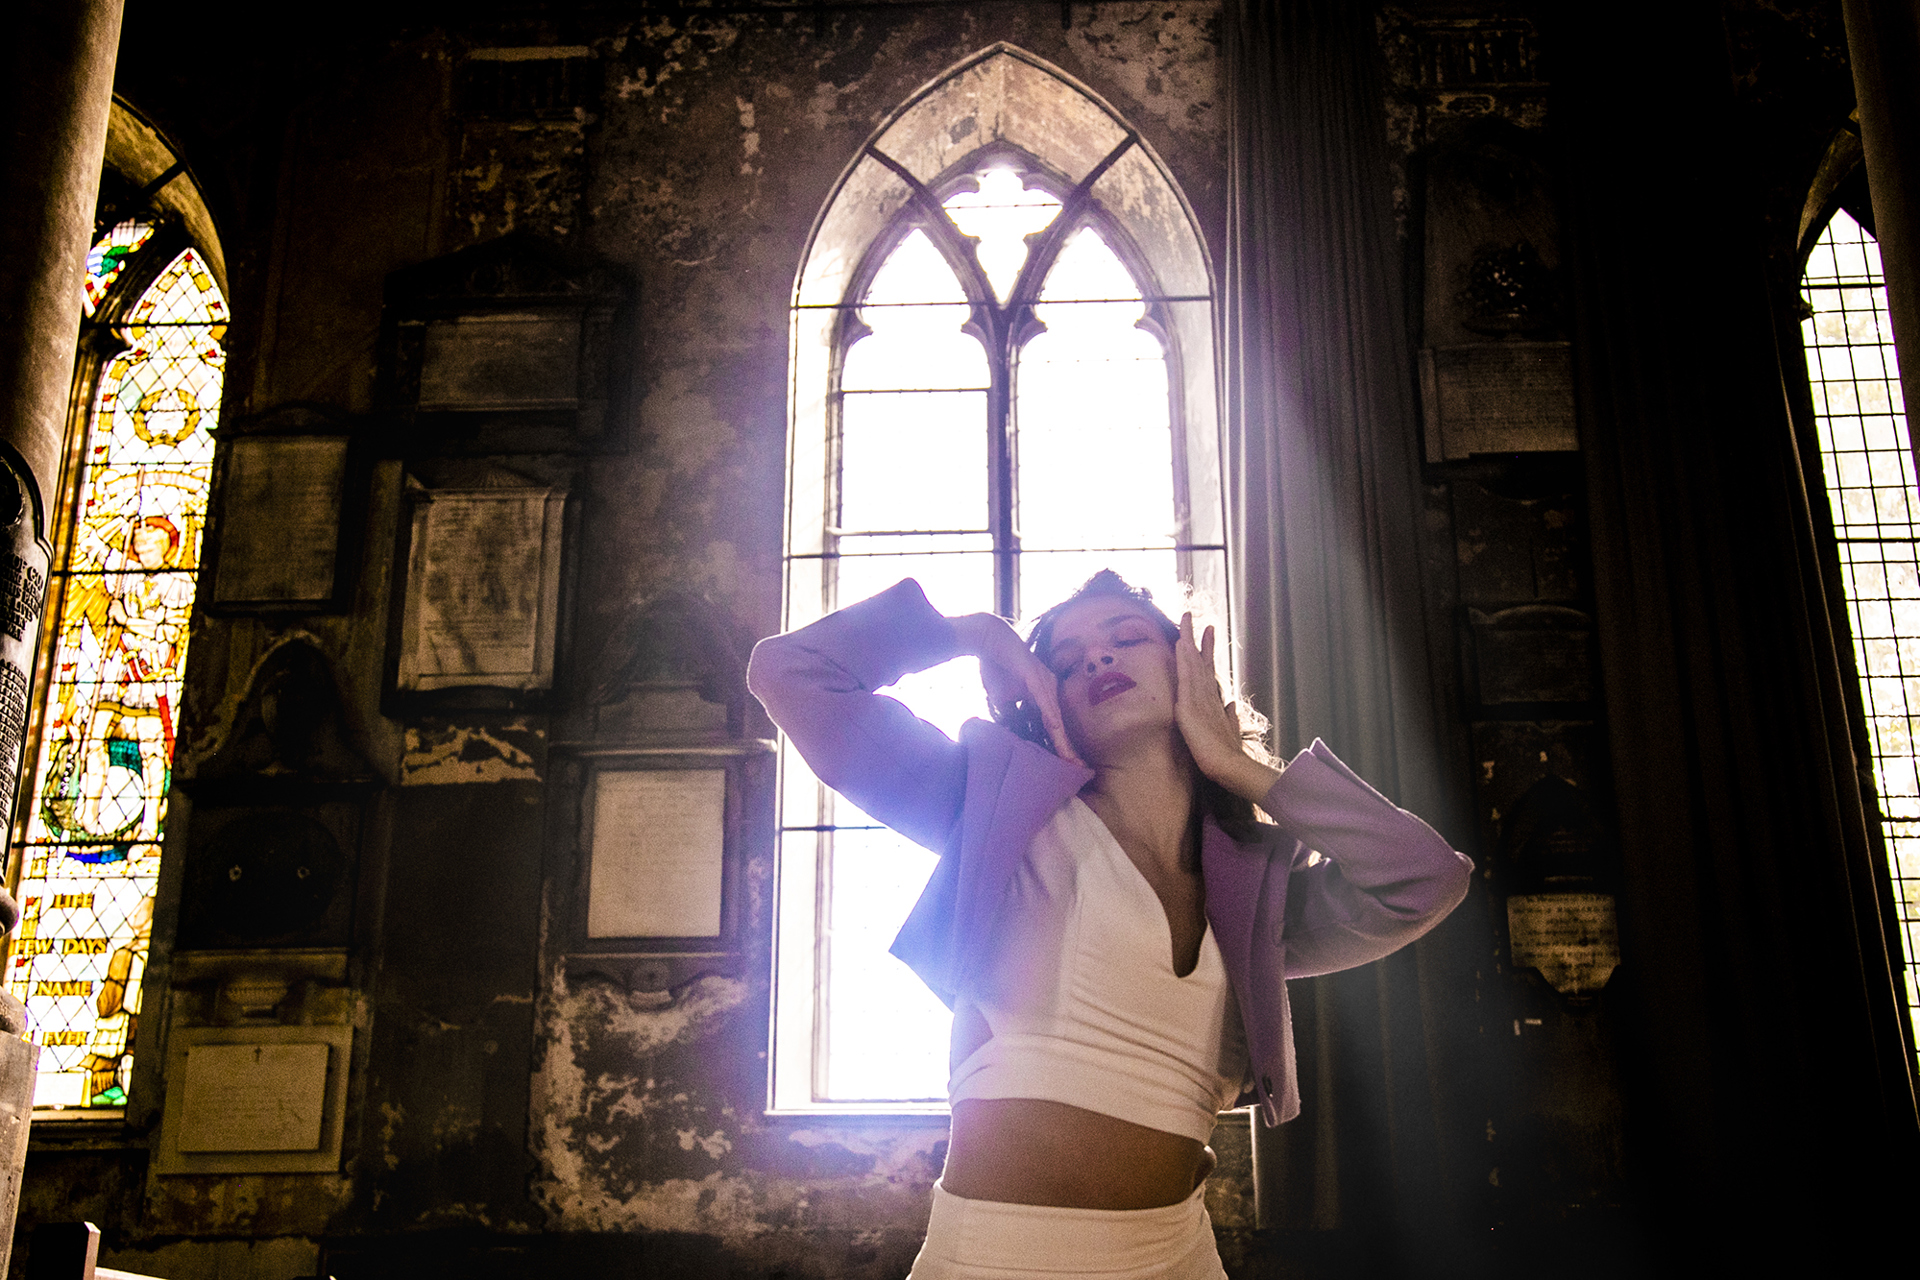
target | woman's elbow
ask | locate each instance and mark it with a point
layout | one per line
(770, 675)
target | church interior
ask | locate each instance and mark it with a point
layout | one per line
(418, 411)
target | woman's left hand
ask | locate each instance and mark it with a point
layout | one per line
(1212, 732)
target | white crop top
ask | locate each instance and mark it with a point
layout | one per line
(1080, 994)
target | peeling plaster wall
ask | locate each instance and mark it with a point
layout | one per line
(720, 141)
(502, 1119)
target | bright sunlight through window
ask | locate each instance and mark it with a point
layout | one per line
(1001, 429)
(1865, 452)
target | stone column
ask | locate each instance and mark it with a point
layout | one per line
(56, 84)
(1882, 37)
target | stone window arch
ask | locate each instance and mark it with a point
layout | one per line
(1866, 460)
(1003, 379)
(129, 518)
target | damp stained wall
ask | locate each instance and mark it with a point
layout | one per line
(501, 1119)
(498, 1111)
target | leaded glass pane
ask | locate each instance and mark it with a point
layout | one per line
(106, 260)
(1095, 429)
(909, 463)
(1862, 425)
(98, 815)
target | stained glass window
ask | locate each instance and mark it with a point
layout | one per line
(108, 258)
(1868, 460)
(92, 841)
(1004, 430)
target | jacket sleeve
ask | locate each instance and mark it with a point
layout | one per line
(818, 685)
(1383, 876)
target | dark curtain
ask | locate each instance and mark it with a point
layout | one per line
(1770, 1098)
(1326, 500)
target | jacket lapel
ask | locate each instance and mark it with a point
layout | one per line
(1234, 876)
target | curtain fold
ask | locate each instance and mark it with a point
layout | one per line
(1770, 1099)
(1326, 507)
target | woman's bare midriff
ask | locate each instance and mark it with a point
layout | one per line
(1030, 1151)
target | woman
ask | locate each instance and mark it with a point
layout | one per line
(1109, 922)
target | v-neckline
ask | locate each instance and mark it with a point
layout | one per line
(1159, 907)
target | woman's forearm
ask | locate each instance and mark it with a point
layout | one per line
(1246, 777)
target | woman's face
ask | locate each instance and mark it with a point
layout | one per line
(1115, 667)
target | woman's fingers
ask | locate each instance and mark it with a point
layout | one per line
(1044, 692)
(1057, 729)
(1213, 738)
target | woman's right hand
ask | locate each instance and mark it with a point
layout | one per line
(1012, 673)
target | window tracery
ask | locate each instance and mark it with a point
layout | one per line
(994, 394)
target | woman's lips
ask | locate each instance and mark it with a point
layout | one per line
(1106, 685)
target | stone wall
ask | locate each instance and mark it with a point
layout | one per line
(506, 1118)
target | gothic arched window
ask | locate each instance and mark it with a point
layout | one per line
(1867, 458)
(126, 558)
(1003, 382)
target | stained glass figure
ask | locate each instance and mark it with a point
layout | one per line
(92, 844)
(108, 258)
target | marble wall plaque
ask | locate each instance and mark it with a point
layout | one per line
(657, 853)
(254, 1097)
(280, 520)
(483, 589)
(1573, 939)
(515, 361)
(1497, 397)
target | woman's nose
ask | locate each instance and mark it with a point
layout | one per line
(1106, 660)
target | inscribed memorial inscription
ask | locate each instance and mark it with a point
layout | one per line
(1573, 939)
(1497, 397)
(501, 362)
(483, 589)
(281, 533)
(254, 1097)
(657, 854)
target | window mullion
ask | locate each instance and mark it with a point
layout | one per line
(1001, 495)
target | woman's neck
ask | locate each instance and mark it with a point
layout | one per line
(1146, 796)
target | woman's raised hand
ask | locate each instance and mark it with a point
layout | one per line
(1212, 731)
(1012, 673)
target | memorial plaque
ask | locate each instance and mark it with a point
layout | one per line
(483, 589)
(1573, 939)
(657, 853)
(280, 527)
(1497, 397)
(253, 1097)
(512, 361)
(23, 594)
(1532, 653)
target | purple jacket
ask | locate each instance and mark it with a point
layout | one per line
(1277, 910)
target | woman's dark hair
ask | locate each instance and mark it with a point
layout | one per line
(1235, 815)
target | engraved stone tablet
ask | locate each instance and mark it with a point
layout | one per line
(1532, 653)
(280, 531)
(1497, 397)
(501, 362)
(483, 589)
(1573, 939)
(254, 1097)
(658, 837)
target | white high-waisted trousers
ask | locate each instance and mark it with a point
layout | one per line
(987, 1240)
